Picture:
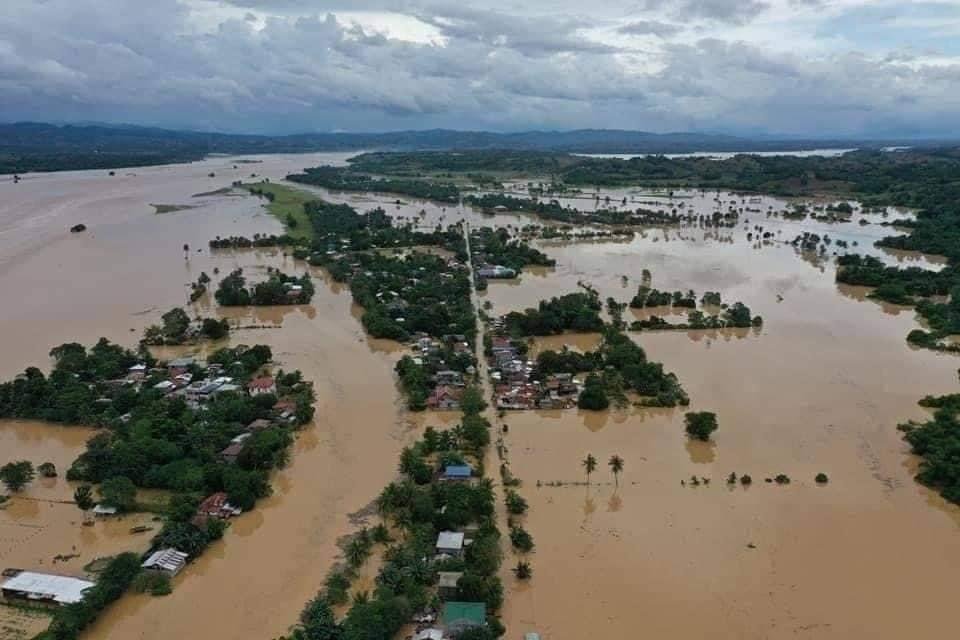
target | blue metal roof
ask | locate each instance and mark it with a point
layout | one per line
(458, 471)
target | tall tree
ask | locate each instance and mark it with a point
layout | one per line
(83, 497)
(616, 466)
(589, 464)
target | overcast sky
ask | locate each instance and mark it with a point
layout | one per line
(798, 67)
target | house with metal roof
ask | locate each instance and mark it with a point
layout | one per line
(460, 616)
(447, 584)
(457, 472)
(450, 543)
(44, 588)
(169, 561)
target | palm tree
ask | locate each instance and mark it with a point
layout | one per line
(616, 466)
(590, 465)
(83, 496)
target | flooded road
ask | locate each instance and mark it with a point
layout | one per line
(819, 388)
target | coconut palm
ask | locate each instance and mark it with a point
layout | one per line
(616, 466)
(83, 496)
(589, 464)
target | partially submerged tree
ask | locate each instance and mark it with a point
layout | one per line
(83, 497)
(17, 475)
(616, 467)
(700, 424)
(589, 465)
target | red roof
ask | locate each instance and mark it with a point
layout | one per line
(266, 382)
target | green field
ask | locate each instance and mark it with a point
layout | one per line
(287, 205)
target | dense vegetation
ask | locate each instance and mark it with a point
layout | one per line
(553, 210)
(618, 367)
(735, 315)
(571, 312)
(497, 247)
(404, 295)
(347, 179)
(278, 288)
(153, 439)
(176, 327)
(937, 441)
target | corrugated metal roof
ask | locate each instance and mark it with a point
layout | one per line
(450, 540)
(47, 586)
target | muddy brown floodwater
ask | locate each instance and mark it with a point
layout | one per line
(820, 387)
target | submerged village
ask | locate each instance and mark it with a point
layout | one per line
(532, 350)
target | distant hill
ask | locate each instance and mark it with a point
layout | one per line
(29, 146)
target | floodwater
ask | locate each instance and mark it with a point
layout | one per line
(134, 269)
(820, 387)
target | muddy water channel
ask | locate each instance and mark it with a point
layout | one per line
(820, 387)
(133, 268)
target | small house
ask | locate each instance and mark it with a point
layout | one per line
(429, 634)
(43, 589)
(180, 363)
(167, 561)
(450, 543)
(447, 586)
(233, 450)
(262, 385)
(217, 506)
(460, 616)
(101, 510)
(260, 424)
(165, 386)
(457, 472)
(444, 397)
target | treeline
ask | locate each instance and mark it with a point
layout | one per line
(419, 507)
(736, 315)
(339, 228)
(553, 210)
(937, 442)
(578, 312)
(258, 240)
(279, 288)
(348, 179)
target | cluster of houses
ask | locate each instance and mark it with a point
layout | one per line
(456, 616)
(232, 451)
(180, 382)
(170, 561)
(515, 389)
(449, 384)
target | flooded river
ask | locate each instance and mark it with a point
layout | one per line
(819, 388)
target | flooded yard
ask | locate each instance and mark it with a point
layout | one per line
(819, 387)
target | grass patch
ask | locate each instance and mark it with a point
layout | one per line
(287, 206)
